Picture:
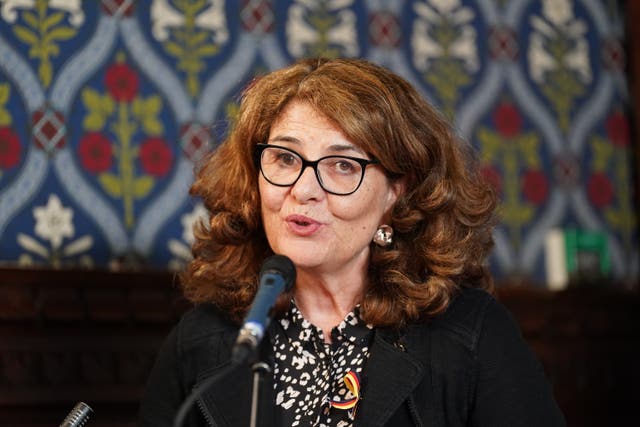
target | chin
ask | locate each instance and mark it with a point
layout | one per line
(302, 257)
(302, 260)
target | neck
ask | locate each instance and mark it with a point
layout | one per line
(325, 301)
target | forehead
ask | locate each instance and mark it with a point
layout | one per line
(300, 126)
(302, 114)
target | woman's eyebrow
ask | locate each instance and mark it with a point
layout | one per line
(338, 148)
(341, 148)
(285, 138)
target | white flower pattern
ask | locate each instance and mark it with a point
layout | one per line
(53, 221)
(164, 16)
(73, 7)
(558, 23)
(181, 249)
(301, 35)
(433, 14)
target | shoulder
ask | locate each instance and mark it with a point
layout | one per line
(207, 317)
(471, 314)
(203, 322)
(466, 307)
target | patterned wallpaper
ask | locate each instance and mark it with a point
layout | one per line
(105, 106)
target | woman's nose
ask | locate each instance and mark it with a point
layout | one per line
(307, 187)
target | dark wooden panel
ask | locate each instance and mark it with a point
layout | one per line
(67, 336)
(587, 340)
(92, 336)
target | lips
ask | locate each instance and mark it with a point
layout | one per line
(302, 225)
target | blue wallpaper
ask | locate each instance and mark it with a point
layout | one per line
(105, 106)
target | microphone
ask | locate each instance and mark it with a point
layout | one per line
(277, 275)
(78, 416)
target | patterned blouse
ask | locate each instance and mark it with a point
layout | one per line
(309, 374)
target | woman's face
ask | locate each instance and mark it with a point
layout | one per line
(318, 230)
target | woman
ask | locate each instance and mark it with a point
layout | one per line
(341, 166)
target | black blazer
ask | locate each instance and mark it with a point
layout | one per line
(466, 367)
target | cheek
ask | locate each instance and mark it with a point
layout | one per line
(365, 211)
(268, 210)
(271, 201)
(270, 198)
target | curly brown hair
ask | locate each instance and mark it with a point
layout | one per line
(442, 221)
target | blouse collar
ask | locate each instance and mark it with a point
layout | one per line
(352, 328)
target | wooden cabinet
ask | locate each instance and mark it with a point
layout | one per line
(588, 340)
(80, 336)
(92, 336)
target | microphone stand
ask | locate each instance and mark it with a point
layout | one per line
(259, 370)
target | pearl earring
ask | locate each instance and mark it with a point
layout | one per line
(383, 236)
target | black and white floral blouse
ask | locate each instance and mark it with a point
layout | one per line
(309, 374)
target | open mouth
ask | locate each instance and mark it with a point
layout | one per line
(302, 225)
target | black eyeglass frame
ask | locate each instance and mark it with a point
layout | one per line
(259, 149)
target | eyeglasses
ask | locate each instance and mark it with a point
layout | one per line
(339, 175)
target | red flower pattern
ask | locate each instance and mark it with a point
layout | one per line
(600, 190)
(507, 120)
(121, 82)
(535, 186)
(9, 148)
(617, 127)
(156, 157)
(95, 152)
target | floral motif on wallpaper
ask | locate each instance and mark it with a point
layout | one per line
(123, 144)
(54, 225)
(324, 28)
(181, 248)
(521, 185)
(444, 49)
(559, 57)
(43, 28)
(108, 106)
(191, 32)
(612, 194)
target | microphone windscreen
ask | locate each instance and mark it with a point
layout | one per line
(78, 416)
(282, 265)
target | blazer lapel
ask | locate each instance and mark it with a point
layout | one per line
(227, 402)
(389, 378)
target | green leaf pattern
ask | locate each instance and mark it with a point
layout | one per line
(43, 30)
(621, 215)
(192, 42)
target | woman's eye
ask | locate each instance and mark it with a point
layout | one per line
(345, 166)
(286, 158)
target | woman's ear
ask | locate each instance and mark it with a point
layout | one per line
(396, 190)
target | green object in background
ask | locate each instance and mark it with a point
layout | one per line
(576, 257)
(587, 255)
